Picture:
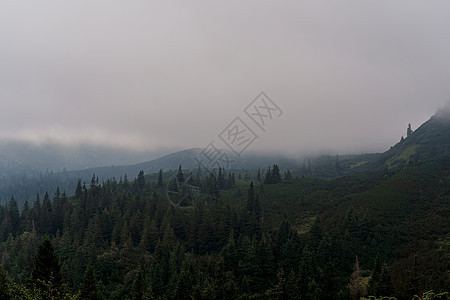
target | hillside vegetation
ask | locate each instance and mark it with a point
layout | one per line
(249, 234)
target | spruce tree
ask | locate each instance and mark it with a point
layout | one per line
(79, 190)
(89, 290)
(409, 130)
(126, 182)
(180, 175)
(140, 180)
(137, 290)
(268, 177)
(45, 225)
(46, 266)
(276, 176)
(160, 179)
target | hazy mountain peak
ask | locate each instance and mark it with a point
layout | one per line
(444, 112)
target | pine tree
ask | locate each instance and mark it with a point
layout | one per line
(45, 225)
(268, 177)
(126, 182)
(180, 175)
(89, 290)
(137, 290)
(93, 181)
(409, 130)
(140, 181)
(276, 176)
(46, 266)
(160, 179)
(79, 190)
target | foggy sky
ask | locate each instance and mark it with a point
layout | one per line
(349, 75)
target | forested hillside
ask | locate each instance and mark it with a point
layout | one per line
(378, 234)
(242, 234)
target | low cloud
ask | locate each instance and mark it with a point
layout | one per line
(349, 76)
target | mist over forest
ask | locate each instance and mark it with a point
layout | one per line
(224, 150)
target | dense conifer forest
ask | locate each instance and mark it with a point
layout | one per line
(278, 238)
(241, 234)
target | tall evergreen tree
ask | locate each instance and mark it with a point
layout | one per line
(180, 175)
(276, 176)
(160, 179)
(79, 190)
(46, 266)
(89, 290)
(126, 182)
(45, 225)
(268, 177)
(137, 290)
(25, 220)
(140, 181)
(409, 130)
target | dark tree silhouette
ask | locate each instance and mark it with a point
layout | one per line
(160, 179)
(46, 266)
(88, 288)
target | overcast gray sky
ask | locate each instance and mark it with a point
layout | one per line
(349, 75)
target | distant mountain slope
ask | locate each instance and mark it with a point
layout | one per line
(428, 141)
(51, 156)
(170, 161)
(187, 159)
(24, 183)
